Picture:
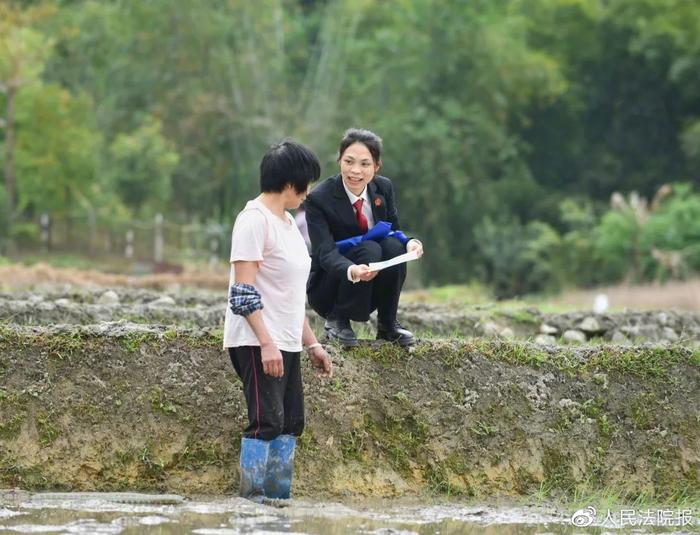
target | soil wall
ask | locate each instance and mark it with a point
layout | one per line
(120, 406)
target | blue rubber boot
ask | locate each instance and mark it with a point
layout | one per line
(254, 457)
(280, 466)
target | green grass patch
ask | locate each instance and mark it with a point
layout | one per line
(13, 474)
(641, 409)
(152, 467)
(401, 439)
(11, 337)
(10, 426)
(211, 340)
(13, 413)
(47, 428)
(159, 402)
(353, 444)
(483, 429)
(649, 363)
(614, 499)
(558, 474)
(200, 454)
(132, 342)
(462, 294)
(64, 345)
(307, 442)
(385, 353)
(445, 477)
(511, 352)
(520, 315)
(56, 345)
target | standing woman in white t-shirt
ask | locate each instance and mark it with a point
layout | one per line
(266, 322)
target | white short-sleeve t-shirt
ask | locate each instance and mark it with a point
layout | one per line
(284, 265)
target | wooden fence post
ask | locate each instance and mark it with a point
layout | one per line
(214, 250)
(158, 241)
(129, 251)
(92, 225)
(45, 225)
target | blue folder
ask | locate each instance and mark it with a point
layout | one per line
(377, 233)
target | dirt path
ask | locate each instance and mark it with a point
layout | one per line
(46, 276)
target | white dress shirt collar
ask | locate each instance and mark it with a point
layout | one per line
(366, 204)
(353, 198)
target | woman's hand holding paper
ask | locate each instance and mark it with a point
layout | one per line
(361, 272)
(415, 245)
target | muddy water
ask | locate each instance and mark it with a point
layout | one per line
(171, 515)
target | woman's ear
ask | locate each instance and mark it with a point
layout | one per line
(377, 167)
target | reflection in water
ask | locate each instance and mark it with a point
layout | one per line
(106, 514)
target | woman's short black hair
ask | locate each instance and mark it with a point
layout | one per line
(368, 138)
(288, 163)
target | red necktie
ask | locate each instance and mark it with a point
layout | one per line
(361, 219)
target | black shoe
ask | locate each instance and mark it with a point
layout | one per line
(339, 330)
(393, 332)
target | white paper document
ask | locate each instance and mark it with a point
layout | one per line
(406, 257)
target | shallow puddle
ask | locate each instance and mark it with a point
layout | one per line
(113, 513)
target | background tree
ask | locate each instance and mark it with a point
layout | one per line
(142, 163)
(508, 124)
(22, 54)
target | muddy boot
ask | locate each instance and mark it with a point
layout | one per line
(254, 457)
(280, 466)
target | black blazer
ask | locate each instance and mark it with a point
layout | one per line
(330, 217)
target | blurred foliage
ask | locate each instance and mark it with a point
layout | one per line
(508, 124)
(673, 228)
(25, 234)
(640, 243)
(520, 258)
(614, 246)
(450, 294)
(142, 164)
(57, 150)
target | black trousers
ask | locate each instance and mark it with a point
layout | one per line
(357, 301)
(275, 404)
